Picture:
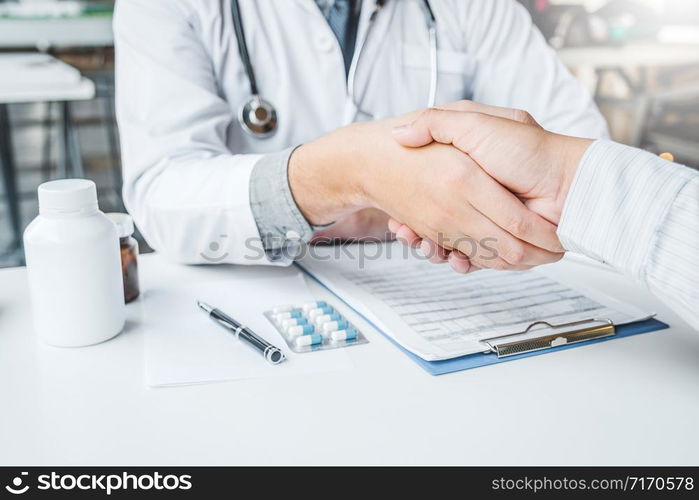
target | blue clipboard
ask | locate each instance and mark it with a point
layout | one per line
(479, 359)
(476, 360)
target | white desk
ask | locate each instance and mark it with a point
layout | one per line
(84, 90)
(35, 77)
(627, 401)
(95, 31)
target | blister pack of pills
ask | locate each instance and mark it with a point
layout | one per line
(314, 326)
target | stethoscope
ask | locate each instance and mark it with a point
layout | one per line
(258, 117)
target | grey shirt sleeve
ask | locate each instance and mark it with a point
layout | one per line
(282, 226)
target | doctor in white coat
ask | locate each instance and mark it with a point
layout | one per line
(203, 189)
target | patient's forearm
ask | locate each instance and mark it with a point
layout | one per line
(653, 235)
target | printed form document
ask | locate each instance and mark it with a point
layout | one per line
(438, 314)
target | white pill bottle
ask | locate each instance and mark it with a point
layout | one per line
(74, 267)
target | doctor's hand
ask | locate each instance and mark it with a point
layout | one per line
(441, 193)
(536, 165)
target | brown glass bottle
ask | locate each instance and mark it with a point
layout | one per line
(129, 267)
(129, 255)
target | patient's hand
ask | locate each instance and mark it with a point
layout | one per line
(511, 147)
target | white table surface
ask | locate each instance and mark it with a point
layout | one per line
(84, 91)
(35, 77)
(627, 401)
(89, 31)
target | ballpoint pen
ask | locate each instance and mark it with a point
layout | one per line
(270, 352)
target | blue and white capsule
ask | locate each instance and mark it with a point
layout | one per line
(308, 340)
(326, 317)
(313, 305)
(343, 335)
(319, 311)
(295, 331)
(331, 326)
(287, 315)
(286, 323)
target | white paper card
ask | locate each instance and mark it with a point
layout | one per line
(183, 346)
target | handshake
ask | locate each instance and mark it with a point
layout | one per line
(473, 185)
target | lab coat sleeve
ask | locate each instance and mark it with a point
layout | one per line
(639, 214)
(188, 193)
(516, 68)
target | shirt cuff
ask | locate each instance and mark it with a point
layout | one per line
(283, 228)
(616, 204)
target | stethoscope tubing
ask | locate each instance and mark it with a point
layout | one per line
(434, 70)
(243, 48)
(255, 130)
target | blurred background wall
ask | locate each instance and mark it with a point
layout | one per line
(640, 59)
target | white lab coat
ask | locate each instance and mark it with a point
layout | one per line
(180, 83)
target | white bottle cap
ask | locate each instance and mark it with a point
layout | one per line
(123, 222)
(67, 196)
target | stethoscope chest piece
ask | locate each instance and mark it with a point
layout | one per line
(258, 117)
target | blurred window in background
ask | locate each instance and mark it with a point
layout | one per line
(640, 58)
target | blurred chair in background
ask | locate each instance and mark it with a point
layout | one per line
(671, 123)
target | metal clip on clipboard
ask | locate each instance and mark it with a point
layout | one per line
(604, 328)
